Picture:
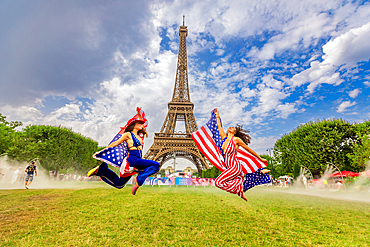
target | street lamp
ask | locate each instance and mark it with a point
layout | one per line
(174, 162)
(272, 167)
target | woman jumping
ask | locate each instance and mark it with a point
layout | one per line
(232, 179)
(125, 152)
(241, 167)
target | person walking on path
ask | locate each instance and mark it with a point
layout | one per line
(31, 170)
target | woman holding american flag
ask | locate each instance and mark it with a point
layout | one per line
(125, 152)
(241, 167)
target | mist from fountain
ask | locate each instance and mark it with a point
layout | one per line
(330, 187)
(12, 176)
(362, 183)
(304, 180)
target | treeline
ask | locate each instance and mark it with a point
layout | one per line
(313, 145)
(317, 144)
(57, 148)
(212, 172)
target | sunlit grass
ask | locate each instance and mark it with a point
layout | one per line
(179, 216)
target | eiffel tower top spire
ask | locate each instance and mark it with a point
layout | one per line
(181, 89)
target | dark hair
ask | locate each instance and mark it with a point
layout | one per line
(131, 128)
(243, 134)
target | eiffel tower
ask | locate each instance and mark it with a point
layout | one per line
(168, 143)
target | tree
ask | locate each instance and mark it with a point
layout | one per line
(315, 145)
(212, 172)
(12, 124)
(56, 147)
(7, 132)
(361, 150)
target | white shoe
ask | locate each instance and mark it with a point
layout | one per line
(26, 187)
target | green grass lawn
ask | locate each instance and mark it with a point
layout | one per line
(178, 216)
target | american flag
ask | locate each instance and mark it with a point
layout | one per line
(208, 140)
(116, 156)
(113, 156)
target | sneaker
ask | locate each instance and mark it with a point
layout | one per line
(93, 171)
(26, 187)
(135, 186)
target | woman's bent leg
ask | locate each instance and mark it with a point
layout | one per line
(146, 167)
(111, 178)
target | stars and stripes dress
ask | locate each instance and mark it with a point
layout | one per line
(209, 142)
(231, 179)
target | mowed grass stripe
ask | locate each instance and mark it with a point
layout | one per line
(181, 216)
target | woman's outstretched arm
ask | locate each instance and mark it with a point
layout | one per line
(240, 142)
(123, 138)
(220, 129)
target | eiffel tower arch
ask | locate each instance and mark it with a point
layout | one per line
(169, 143)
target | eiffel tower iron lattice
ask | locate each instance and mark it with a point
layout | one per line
(169, 143)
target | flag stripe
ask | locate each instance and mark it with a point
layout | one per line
(249, 161)
(211, 147)
(231, 179)
(207, 146)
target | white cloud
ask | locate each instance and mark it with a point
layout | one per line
(353, 94)
(349, 48)
(250, 105)
(270, 101)
(27, 114)
(248, 93)
(260, 144)
(367, 83)
(292, 23)
(271, 82)
(286, 109)
(66, 48)
(113, 102)
(269, 98)
(344, 51)
(344, 105)
(300, 32)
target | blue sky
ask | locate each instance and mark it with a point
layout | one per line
(269, 65)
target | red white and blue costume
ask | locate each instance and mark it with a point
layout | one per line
(231, 179)
(129, 161)
(240, 169)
